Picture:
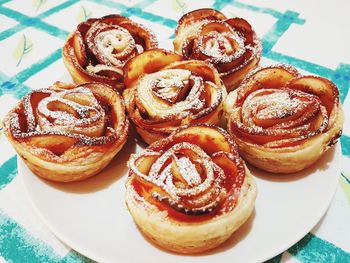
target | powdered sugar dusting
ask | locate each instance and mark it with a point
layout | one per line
(115, 45)
(222, 47)
(178, 176)
(58, 114)
(162, 94)
(288, 115)
(277, 105)
(188, 171)
(111, 43)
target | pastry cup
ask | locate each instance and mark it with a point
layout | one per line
(283, 122)
(164, 92)
(99, 48)
(172, 223)
(230, 44)
(68, 133)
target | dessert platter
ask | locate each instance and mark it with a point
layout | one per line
(91, 216)
(186, 154)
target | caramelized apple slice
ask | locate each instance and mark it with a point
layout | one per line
(210, 139)
(323, 88)
(147, 62)
(242, 26)
(197, 15)
(270, 77)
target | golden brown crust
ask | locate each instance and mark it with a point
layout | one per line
(231, 45)
(99, 48)
(203, 13)
(146, 63)
(192, 238)
(163, 92)
(213, 214)
(283, 122)
(68, 133)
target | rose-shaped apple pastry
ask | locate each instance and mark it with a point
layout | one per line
(68, 133)
(164, 92)
(231, 45)
(100, 47)
(190, 191)
(282, 121)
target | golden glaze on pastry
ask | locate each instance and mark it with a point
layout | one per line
(190, 191)
(231, 45)
(282, 121)
(100, 47)
(66, 132)
(163, 92)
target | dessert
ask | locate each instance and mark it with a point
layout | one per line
(282, 121)
(99, 48)
(190, 191)
(231, 45)
(66, 132)
(164, 92)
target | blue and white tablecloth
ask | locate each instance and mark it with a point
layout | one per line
(314, 36)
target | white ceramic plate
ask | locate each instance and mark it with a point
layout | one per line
(91, 216)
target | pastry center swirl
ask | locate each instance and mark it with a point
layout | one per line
(222, 47)
(56, 119)
(73, 111)
(104, 46)
(186, 178)
(173, 92)
(282, 116)
(116, 45)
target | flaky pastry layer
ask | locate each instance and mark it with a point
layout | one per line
(230, 44)
(164, 91)
(189, 192)
(283, 122)
(189, 238)
(68, 133)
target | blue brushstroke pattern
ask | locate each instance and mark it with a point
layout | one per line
(314, 249)
(33, 22)
(8, 171)
(345, 145)
(18, 245)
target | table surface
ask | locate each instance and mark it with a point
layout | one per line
(313, 36)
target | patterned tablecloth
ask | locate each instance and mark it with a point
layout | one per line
(314, 36)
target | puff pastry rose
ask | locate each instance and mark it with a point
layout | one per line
(282, 121)
(100, 47)
(190, 191)
(231, 45)
(68, 133)
(163, 92)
